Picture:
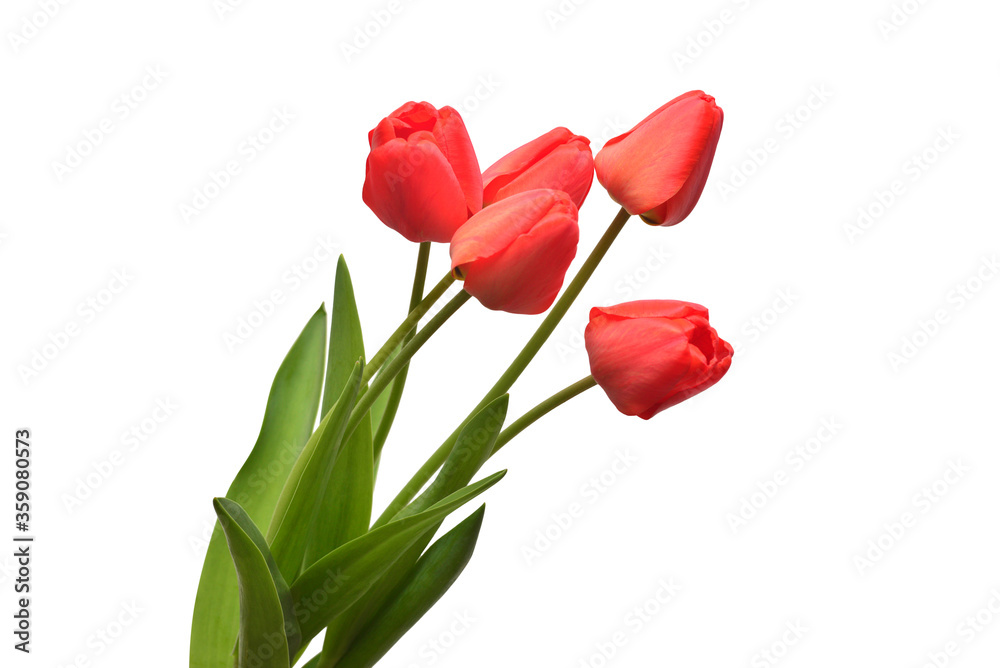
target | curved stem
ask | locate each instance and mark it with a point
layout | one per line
(379, 358)
(396, 393)
(556, 400)
(516, 368)
(397, 363)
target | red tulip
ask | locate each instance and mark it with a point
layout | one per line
(513, 255)
(558, 159)
(658, 168)
(422, 177)
(651, 355)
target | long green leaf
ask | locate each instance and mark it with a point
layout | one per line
(269, 633)
(288, 421)
(345, 511)
(346, 339)
(340, 578)
(344, 507)
(296, 510)
(472, 448)
(432, 576)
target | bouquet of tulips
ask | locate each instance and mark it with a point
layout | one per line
(287, 562)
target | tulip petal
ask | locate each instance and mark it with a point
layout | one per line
(495, 228)
(678, 207)
(651, 355)
(713, 374)
(414, 116)
(638, 362)
(411, 187)
(653, 308)
(557, 160)
(513, 255)
(652, 163)
(569, 167)
(453, 139)
(533, 268)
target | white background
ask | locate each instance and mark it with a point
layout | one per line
(780, 240)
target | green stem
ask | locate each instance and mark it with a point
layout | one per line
(556, 400)
(397, 363)
(513, 372)
(396, 394)
(406, 327)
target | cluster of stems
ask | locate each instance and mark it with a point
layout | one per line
(391, 361)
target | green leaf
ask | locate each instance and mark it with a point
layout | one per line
(426, 583)
(268, 633)
(471, 450)
(344, 507)
(345, 510)
(340, 578)
(288, 421)
(346, 340)
(296, 510)
(312, 663)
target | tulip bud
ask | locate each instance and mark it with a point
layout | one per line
(422, 177)
(651, 355)
(659, 168)
(514, 254)
(559, 160)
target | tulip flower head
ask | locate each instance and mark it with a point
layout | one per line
(558, 160)
(422, 177)
(651, 355)
(658, 169)
(513, 255)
